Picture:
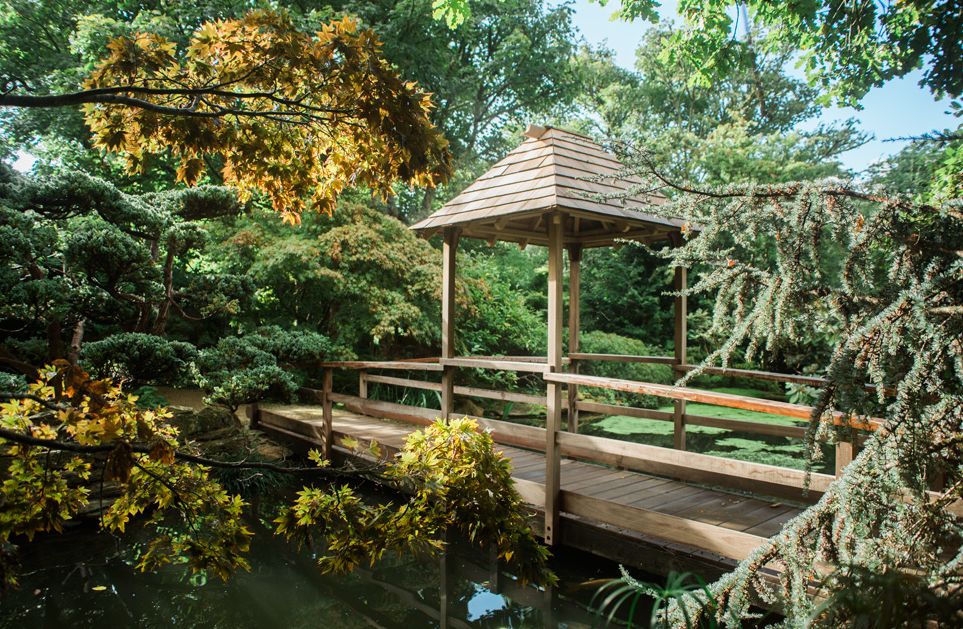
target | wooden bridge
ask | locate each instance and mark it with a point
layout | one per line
(708, 507)
(563, 191)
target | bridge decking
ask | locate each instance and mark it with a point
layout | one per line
(702, 515)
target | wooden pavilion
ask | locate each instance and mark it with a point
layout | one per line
(624, 500)
(561, 190)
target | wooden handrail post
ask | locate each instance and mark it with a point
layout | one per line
(449, 274)
(553, 405)
(679, 342)
(253, 415)
(574, 325)
(363, 384)
(844, 455)
(326, 411)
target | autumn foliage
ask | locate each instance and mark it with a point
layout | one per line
(297, 116)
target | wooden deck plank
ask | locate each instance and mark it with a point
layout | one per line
(632, 482)
(742, 520)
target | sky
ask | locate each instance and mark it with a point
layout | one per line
(900, 108)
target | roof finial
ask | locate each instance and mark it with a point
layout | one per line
(535, 131)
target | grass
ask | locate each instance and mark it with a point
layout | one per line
(745, 446)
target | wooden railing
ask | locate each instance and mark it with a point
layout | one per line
(675, 463)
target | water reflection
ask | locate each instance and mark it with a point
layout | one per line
(85, 579)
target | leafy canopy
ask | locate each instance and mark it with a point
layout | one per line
(847, 47)
(293, 115)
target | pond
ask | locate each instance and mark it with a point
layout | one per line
(86, 579)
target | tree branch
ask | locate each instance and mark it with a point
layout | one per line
(20, 438)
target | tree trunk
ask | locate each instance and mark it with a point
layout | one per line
(55, 341)
(76, 341)
(163, 311)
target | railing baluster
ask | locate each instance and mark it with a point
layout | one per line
(327, 411)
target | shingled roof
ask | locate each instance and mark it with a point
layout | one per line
(553, 170)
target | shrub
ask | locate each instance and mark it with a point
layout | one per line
(140, 358)
(607, 343)
(244, 369)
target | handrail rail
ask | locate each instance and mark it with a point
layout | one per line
(771, 407)
(412, 365)
(623, 358)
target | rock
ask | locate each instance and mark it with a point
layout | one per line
(467, 407)
(272, 451)
(192, 422)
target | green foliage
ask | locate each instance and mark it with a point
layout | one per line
(149, 397)
(886, 274)
(624, 292)
(12, 383)
(456, 481)
(498, 318)
(744, 126)
(44, 485)
(929, 170)
(79, 257)
(261, 365)
(139, 358)
(846, 49)
(506, 64)
(678, 588)
(866, 598)
(360, 278)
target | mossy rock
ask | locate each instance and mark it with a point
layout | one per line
(192, 422)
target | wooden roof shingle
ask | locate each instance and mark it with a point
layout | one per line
(553, 170)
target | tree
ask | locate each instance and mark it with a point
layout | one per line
(79, 257)
(287, 113)
(929, 168)
(507, 63)
(847, 48)
(888, 273)
(742, 127)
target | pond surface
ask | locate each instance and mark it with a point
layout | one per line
(86, 579)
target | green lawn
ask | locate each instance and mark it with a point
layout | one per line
(782, 451)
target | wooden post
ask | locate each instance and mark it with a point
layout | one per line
(363, 384)
(844, 455)
(681, 332)
(326, 388)
(449, 274)
(253, 415)
(574, 328)
(554, 391)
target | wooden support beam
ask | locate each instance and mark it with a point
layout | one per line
(553, 406)
(449, 274)
(680, 338)
(327, 413)
(723, 541)
(504, 396)
(574, 326)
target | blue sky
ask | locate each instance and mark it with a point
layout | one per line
(899, 108)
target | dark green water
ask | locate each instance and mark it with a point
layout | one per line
(85, 579)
